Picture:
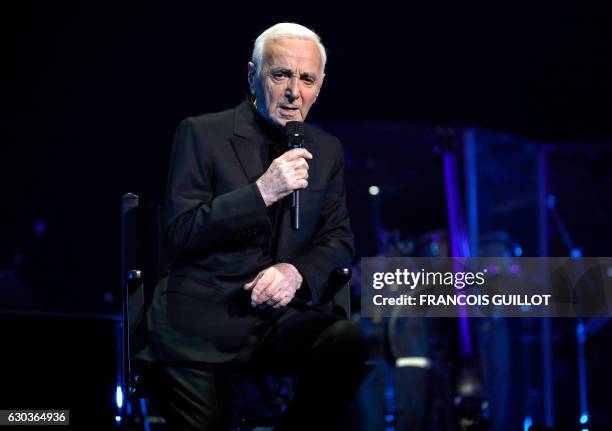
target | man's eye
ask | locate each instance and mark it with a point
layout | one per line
(278, 75)
(309, 81)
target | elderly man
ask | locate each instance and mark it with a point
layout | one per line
(244, 290)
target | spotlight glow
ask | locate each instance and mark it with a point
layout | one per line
(119, 397)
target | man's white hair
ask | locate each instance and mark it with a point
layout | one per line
(286, 30)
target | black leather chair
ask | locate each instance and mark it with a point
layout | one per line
(143, 263)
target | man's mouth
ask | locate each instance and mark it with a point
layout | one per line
(289, 110)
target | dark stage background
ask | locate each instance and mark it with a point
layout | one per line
(92, 93)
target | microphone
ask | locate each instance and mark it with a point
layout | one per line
(294, 130)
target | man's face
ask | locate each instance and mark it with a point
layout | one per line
(289, 80)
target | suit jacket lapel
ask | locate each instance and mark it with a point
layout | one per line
(247, 142)
(248, 152)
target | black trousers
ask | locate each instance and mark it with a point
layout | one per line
(326, 353)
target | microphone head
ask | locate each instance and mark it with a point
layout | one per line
(294, 130)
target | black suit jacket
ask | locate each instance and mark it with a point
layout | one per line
(218, 236)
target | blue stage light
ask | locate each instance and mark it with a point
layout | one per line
(584, 418)
(518, 251)
(118, 419)
(389, 418)
(576, 252)
(389, 393)
(119, 397)
(527, 422)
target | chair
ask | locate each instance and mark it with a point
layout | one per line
(140, 271)
(139, 268)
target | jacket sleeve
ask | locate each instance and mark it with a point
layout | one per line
(332, 246)
(196, 221)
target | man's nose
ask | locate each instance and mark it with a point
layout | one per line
(292, 91)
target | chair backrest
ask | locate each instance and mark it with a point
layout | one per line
(142, 264)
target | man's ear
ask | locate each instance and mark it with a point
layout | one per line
(252, 70)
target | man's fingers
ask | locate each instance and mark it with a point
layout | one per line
(258, 295)
(301, 173)
(275, 298)
(276, 287)
(268, 294)
(264, 288)
(272, 302)
(262, 283)
(300, 163)
(286, 301)
(296, 153)
(279, 298)
(252, 283)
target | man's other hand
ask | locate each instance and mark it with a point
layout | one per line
(285, 174)
(275, 286)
